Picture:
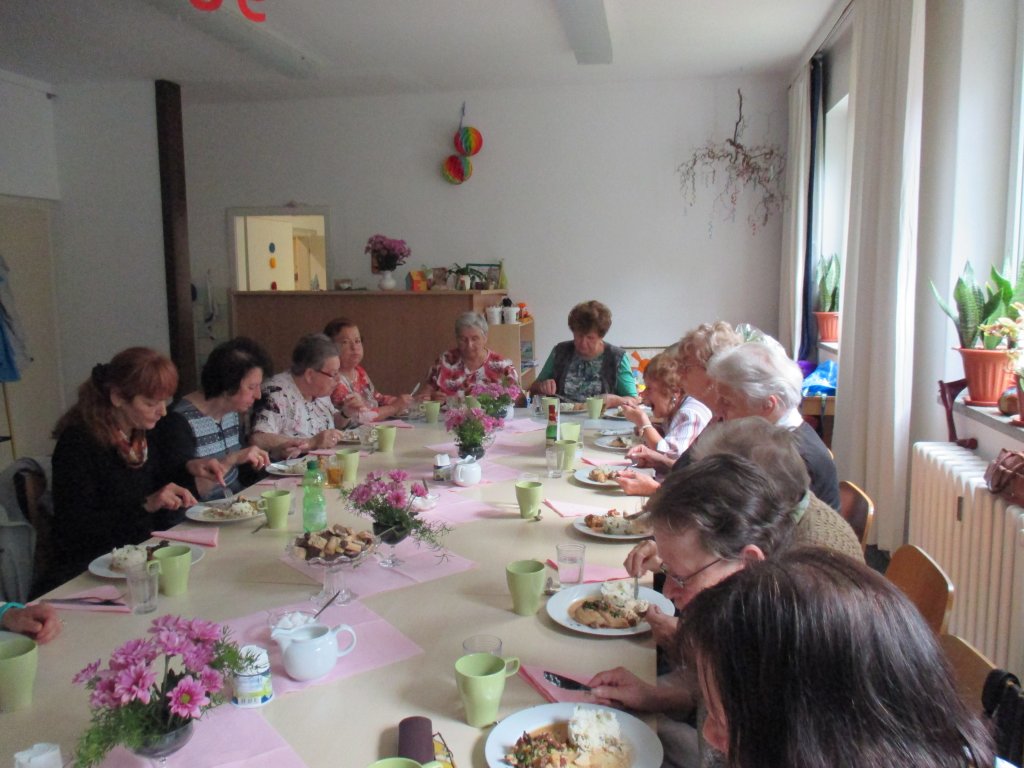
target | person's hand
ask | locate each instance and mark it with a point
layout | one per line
(171, 496)
(621, 688)
(293, 448)
(643, 456)
(635, 484)
(635, 414)
(326, 439)
(642, 558)
(211, 470)
(39, 622)
(663, 626)
(252, 455)
(546, 387)
(611, 401)
(403, 403)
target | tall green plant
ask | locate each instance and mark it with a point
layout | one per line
(977, 305)
(828, 270)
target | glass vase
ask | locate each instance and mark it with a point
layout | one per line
(161, 746)
(391, 536)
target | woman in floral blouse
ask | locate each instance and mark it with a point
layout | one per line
(471, 362)
(355, 395)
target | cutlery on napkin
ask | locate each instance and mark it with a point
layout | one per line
(536, 677)
(565, 682)
(206, 537)
(107, 598)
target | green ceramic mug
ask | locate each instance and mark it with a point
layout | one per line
(528, 494)
(402, 762)
(175, 563)
(481, 681)
(19, 658)
(350, 465)
(570, 431)
(386, 438)
(568, 454)
(431, 411)
(594, 407)
(525, 580)
(276, 504)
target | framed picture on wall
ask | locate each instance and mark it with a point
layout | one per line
(492, 273)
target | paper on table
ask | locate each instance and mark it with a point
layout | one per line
(106, 592)
(571, 509)
(226, 737)
(206, 537)
(378, 643)
(594, 573)
(535, 677)
(525, 425)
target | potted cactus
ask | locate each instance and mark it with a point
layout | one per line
(983, 341)
(827, 316)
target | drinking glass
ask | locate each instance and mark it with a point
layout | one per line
(553, 457)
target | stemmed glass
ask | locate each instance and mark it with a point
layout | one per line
(390, 536)
(334, 577)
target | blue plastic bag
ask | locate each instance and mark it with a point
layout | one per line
(823, 379)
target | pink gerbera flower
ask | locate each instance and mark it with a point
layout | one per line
(134, 683)
(211, 680)
(188, 698)
(86, 674)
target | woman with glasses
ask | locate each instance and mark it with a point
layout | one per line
(296, 414)
(470, 363)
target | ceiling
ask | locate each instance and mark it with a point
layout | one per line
(375, 47)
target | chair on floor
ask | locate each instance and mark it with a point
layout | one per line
(970, 669)
(922, 580)
(858, 510)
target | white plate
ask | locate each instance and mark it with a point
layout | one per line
(101, 565)
(643, 742)
(201, 513)
(571, 409)
(559, 604)
(616, 413)
(583, 476)
(582, 527)
(290, 468)
(608, 443)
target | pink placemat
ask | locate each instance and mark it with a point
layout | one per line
(206, 537)
(571, 509)
(225, 737)
(495, 473)
(420, 564)
(594, 573)
(524, 425)
(106, 592)
(394, 423)
(454, 509)
(377, 643)
(535, 677)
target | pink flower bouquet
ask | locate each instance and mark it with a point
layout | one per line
(385, 499)
(470, 427)
(155, 685)
(495, 397)
(388, 253)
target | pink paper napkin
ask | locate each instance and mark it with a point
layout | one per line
(494, 473)
(571, 509)
(206, 537)
(226, 737)
(535, 677)
(517, 426)
(594, 573)
(377, 643)
(606, 462)
(106, 592)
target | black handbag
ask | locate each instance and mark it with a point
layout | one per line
(1003, 702)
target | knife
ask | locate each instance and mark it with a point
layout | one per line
(84, 600)
(566, 683)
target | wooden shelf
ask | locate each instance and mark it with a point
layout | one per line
(509, 340)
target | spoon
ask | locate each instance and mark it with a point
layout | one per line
(328, 603)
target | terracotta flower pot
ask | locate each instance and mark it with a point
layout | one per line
(828, 326)
(987, 375)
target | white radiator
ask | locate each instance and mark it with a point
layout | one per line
(978, 539)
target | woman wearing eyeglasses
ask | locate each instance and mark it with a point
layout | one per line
(296, 414)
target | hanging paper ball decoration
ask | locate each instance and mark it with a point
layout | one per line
(456, 169)
(468, 141)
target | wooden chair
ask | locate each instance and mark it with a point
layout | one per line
(970, 668)
(922, 580)
(29, 487)
(858, 510)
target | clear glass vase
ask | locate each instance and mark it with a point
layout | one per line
(162, 746)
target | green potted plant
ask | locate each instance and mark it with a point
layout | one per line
(467, 278)
(827, 315)
(983, 340)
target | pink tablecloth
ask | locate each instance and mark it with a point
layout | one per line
(225, 737)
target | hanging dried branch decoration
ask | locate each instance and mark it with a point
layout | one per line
(760, 168)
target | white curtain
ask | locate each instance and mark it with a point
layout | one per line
(794, 233)
(873, 407)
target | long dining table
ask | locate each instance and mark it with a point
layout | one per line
(412, 625)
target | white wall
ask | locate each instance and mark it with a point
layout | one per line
(28, 161)
(575, 189)
(109, 264)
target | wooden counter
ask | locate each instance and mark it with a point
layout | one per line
(403, 331)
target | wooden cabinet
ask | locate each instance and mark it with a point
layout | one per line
(516, 342)
(403, 332)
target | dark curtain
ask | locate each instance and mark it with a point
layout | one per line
(809, 330)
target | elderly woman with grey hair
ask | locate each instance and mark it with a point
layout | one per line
(457, 371)
(295, 414)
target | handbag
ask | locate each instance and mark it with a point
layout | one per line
(1005, 476)
(1003, 703)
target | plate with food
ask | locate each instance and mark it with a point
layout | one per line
(580, 734)
(607, 609)
(616, 412)
(604, 477)
(620, 443)
(566, 407)
(291, 467)
(350, 437)
(114, 564)
(234, 512)
(613, 525)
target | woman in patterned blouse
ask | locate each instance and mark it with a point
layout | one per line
(355, 395)
(471, 362)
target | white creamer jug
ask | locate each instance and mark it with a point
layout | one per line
(311, 651)
(467, 472)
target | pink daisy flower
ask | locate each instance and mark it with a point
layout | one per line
(188, 698)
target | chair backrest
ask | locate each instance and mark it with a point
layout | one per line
(857, 509)
(970, 669)
(30, 487)
(922, 580)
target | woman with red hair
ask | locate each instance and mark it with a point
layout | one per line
(111, 486)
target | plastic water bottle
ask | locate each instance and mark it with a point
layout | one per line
(314, 506)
